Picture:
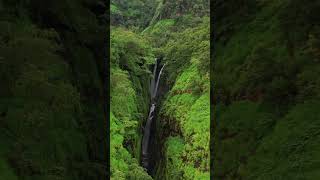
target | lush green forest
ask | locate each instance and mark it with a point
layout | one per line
(266, 90)
(52, 119)
(177, 33)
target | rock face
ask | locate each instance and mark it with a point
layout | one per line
(52, 97)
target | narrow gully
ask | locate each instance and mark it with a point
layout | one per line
(148, 136)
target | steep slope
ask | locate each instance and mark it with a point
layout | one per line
(184, 120)
(182, 127)
(130, 57)
(135, 14)
(178, 36)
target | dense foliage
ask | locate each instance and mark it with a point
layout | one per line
(182, 39)
(266, 90)
(130, 56)
(178, 34)
(185, 112)
(51, 98)
(134, 14)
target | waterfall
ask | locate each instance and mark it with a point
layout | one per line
(153, 79)
(146, 134)
(156, 89)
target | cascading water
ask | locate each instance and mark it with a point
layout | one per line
(153, 80)
(146, 135)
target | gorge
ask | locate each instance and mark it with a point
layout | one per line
(146, 155)
(159, 91)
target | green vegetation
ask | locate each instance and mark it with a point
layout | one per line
(178, 34)
(185, 112)
(51, 99)
(130, 56)
(266, 90)
(134, 14)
